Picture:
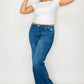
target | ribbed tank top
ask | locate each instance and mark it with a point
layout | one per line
(44, 12)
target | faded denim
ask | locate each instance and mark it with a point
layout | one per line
(41, 38)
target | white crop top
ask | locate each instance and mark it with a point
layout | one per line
(44, 12)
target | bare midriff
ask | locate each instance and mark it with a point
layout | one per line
(43, 24)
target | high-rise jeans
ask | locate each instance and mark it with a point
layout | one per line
(41, 38)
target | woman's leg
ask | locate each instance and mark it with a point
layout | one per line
(33, 43)
(33, 39)
(43, 46)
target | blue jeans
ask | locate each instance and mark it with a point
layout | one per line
(41, 38)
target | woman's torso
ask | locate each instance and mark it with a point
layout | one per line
(44, 12)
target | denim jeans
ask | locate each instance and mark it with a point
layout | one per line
(41, 38)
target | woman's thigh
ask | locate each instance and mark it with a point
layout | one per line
(44, 44)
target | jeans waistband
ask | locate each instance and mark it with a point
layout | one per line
(38, 25)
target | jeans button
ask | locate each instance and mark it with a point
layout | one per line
(38, 25)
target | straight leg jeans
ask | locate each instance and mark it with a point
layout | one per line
(41, 38)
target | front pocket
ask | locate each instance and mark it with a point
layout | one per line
(49, 29)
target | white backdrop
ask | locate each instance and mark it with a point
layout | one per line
(65, 61)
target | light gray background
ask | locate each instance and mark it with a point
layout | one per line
(65, 61)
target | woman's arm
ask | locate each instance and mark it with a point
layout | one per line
(64, 2)
(24, 9)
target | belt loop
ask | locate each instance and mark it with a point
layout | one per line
(45, 26)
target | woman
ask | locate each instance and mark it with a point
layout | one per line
(41, 34)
